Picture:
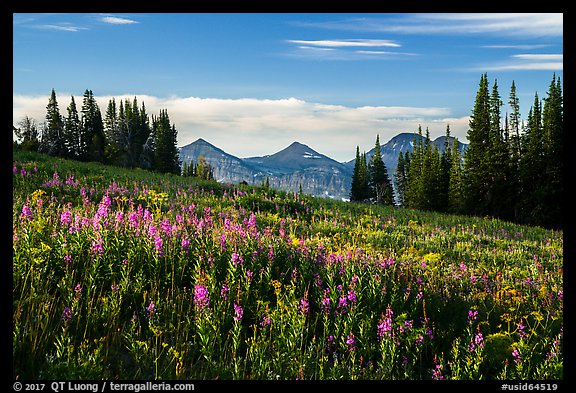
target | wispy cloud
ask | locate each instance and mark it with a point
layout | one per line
(114, 20)
(508, 24)
(346, 43)
(528, 62)
(263, 126)
(61, 27)
(343, 49)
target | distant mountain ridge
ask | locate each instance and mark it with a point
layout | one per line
(298, 165)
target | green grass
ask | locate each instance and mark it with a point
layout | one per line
(128, 274)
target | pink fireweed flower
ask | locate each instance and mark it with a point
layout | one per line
(201, 297)
(97, 248)
(158, 244)
(266, 320)
(238, 312)
(304, 306)
(385, 326)
(26, 213)
(237, 259)
(185, 243)
(437, 371)
(66, 315)
(351, 341)
(517, 356)
(66, 218)
(150, 310)
(224, 292)
(472, 316)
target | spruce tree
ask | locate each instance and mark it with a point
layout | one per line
(477, 156)
(165, 152)
(93, 138)
(355, 186)
(379, 182)
(401, 177)
(52, 141)
(28, 134)
(455, 185)
(73, 133)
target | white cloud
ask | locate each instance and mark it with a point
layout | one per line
(60, 27)
(528, 62)
(346, 43)
(251, 127)
(508, 24)
(114, 20)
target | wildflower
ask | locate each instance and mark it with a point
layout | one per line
(521, 331)
(97, 248)
(304, 306)
(224, 292)
(66, 218)
(326, 301)
(352, 297)
(266, 320)
(437, 371)
(26, 213)
(517, 356)
(249, 275)
(150, 310)
(158, 243)
(472, 316)
(201, 298)
(185, 243)
(66, 315)
(350, 340)
(114, 287)
(385, 326)
(14, 169)
(78, 290)
(237, 259)
(238, 312)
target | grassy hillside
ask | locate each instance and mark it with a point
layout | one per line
(122, 274)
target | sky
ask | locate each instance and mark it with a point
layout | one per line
(253, 83)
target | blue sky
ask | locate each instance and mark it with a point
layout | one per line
(253, 83)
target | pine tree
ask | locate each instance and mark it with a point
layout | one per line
(401, 177)
(166, 151)
(355, 186)
(73, 133)
(52, 141)
(413, 194)
(477, 156)
(93, 138)
(379, 182)
(455, 185)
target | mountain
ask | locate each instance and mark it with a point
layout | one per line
(401, 143)
(298, 166)
(289, 169)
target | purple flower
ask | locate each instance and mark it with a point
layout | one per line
(224, 292)
(350, 340)
(97, 248)
(304, 306)
(472, 316)
(385, 326)
(26, 213)
(201, 297)
(185, 243)
(158, 243)
(66, 218)
(237, 259)
(352, 297)
(266, 320)
(150, 310)
(238, 312)
(66, 315)
(517, 356)
(437, 371)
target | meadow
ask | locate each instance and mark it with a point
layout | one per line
(128, 274)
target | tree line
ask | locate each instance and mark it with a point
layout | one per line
(126, 136)
(512, 169)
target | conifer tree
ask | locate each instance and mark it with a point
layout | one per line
(355, 186)
(379, 182)
(477, 156)
(73, 133)
(401, 177)
(166, 151)
(455, 185)
(28, 134)
(52, 141)
(93, 140)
